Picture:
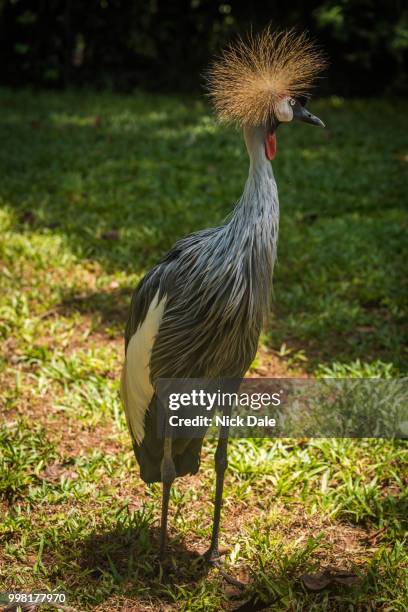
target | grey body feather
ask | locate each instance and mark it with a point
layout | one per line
(217, 285)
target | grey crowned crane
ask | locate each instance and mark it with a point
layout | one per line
(198, 313)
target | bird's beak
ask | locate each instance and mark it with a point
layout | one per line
(301, 114)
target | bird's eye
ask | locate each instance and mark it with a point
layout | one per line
(292, 102)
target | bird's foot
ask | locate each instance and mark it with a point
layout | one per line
(213, 557)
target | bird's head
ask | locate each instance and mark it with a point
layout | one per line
(263, 81)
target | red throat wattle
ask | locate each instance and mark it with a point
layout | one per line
(270, 146)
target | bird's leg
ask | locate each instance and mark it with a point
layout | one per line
(221, 463)
(168, 474)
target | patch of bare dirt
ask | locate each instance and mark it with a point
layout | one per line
(271, 366)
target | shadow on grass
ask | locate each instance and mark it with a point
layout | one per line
(128, 556)
(110, 307)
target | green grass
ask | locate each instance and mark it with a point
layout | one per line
(95, 187)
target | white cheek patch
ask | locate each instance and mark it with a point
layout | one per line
(283, 110)
(136, 388)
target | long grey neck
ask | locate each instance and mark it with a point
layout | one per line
(259, 199)
(254, 140)
(257, 211)
(254, 224)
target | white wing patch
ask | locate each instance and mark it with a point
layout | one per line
(135, 387)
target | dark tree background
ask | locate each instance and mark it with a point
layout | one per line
(166, 44)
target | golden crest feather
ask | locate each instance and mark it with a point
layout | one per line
(251, 76)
